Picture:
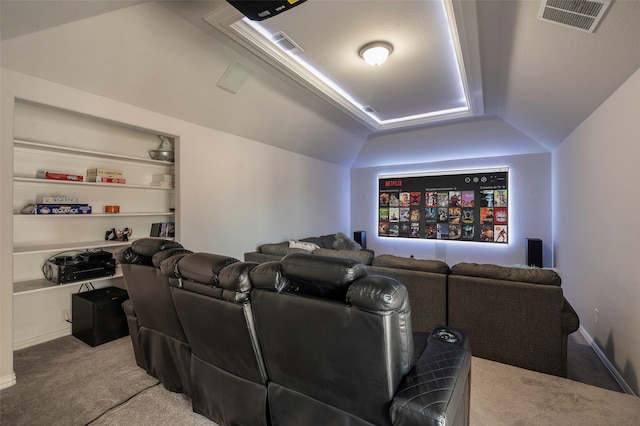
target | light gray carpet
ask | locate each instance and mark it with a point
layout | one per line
(584, 366)
(154, 406)
(65, 382)
(510, 396)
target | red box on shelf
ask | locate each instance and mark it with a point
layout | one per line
(59, 176)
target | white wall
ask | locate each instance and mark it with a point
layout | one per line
(147, 56)
(233, 193)
(236, 194)
(487, 136)
(596, 233)
(529, 211)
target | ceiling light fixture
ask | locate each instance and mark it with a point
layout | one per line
(376, 53)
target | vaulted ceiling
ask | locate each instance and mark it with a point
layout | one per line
(529, 82)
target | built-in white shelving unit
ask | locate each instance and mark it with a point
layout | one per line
(55, 140)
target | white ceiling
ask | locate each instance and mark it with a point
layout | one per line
(423, 81)
(21, 17)
(410, 82)
(534, 81)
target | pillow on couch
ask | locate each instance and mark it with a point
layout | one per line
(303, 245)
(535, 276)
(363, 256)
(323, 241)
(425, 265)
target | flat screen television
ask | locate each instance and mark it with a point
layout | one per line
(459, 205)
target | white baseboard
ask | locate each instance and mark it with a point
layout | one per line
(612, 369)
(41, 338)
(7, 381)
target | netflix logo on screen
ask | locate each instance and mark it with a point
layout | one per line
(463, 205)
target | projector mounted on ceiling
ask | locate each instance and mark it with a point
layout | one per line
(261, 10)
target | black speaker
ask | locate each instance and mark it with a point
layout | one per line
(360, 237)
(98, 316)
(534, 252)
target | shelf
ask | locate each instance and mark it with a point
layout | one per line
(104, 185)
(47, 138)
(52, 148)
(74, 216)
(57, 247)
(41, 284)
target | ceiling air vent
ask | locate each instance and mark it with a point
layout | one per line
(369, 109)
(285, 43)
(581, 15)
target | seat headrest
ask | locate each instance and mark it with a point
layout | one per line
(236, 277)
(268, 275)
(150, 246)
(203, 267)
(376, 293)
(169, 266)
(322, 272)
(141, 251)
(160, 256)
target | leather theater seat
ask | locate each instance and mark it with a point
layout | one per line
(309, 340)
(159, 342)
(339, 349)
(228, 378)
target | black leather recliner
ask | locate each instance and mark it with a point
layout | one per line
(228, 378)
(159, 342)
(309, 340)
(339, 349)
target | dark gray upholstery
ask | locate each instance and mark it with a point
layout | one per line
(516, 316)
(336, 245)
(134, 327)
(426, 280)
(435, 392)
(309, 340)
(338, 343)
(508, 273)
(427, 294)
(162, 348)
(228, 378)
(399, 262)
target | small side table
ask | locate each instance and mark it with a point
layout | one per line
(97, 315)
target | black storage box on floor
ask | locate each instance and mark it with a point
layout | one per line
(98, 316)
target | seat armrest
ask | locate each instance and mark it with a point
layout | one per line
(127, 256)
(436, 391)
(373, 253)
(570, 321)
(127, 307)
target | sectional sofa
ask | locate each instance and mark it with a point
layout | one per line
(304, 341)
(514, 315)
